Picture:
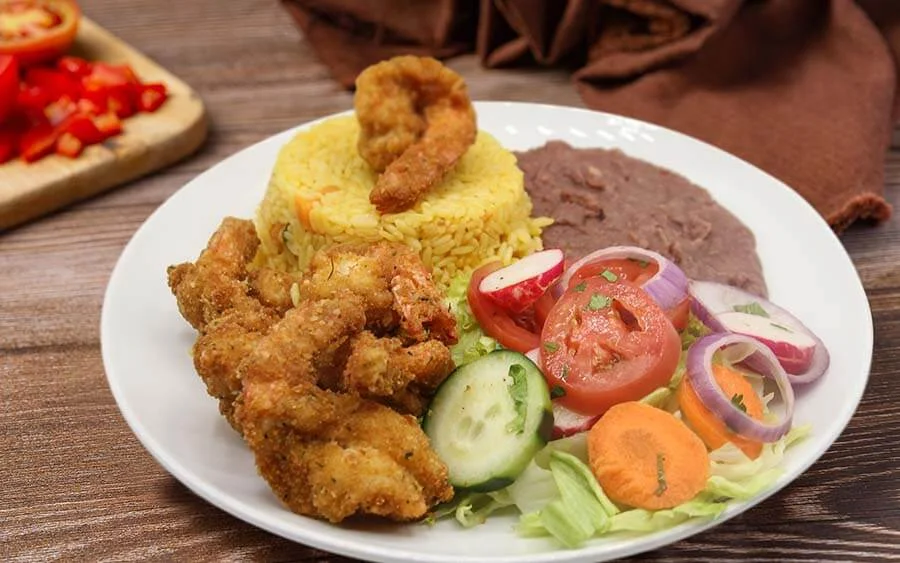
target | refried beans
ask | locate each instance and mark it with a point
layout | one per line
(601, 198)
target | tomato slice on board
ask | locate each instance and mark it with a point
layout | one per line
(36, 31)
(496, 322)
(635, 272)
(606, 343)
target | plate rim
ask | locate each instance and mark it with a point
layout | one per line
(376, 552)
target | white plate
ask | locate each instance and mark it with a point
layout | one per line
(146, 342)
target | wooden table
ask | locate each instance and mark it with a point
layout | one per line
(76, 484)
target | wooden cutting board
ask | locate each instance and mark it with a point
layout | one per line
(149, 142)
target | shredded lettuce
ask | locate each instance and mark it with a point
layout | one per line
(473, 343)
(704, 505)
(558, 496)
(692, 331)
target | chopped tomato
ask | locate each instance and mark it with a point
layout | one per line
(69, 145)
(35, 31)
(496, 322)
(9, 85)
(635, 272)
(606, 343)
(151, 96)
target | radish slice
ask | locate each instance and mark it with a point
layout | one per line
(567, 422)
(517, 286)
(724, 308)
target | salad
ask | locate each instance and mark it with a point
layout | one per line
(614, 394)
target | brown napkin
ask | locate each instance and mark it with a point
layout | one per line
(804, 89)
(349, 35)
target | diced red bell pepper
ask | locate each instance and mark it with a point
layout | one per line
(8, 139)
(120, 101)
(105, 75)
(32, 99)
(59, 110)
(74, 66)
(108, 124)
(82, 126)
(54, 82)
(151, 96)
(69, 145)
(37, 142)
(88, 107)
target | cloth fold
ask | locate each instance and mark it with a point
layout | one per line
(804, 89)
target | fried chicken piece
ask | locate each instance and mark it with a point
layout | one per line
(403, 378)
(327, 454)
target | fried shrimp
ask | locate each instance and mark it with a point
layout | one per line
(398, 290)
(328, 454)
(324, 374)
(416, 122)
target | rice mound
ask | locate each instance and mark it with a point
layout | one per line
(318, 195)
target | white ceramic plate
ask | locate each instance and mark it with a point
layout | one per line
(146, 343)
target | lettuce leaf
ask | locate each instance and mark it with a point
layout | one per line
(473, 343)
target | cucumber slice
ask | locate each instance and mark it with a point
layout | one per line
(488, 419)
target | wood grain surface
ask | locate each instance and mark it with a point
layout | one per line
(75, 484)
(149, 141)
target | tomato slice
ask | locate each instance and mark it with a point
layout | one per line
(36, 31)
(496, 322)
(634, 272)
(606, 343)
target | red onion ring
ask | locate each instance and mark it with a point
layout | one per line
(668, 287)
(700, 375)
(710, 299)
(535, 356)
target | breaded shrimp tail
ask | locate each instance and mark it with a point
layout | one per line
(416, 122)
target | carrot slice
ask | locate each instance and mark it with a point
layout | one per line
(707, 425)
(645, 457)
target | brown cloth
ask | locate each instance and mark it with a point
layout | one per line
(349, 35)
(804, 89)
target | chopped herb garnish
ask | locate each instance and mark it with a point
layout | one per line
(518, 392)
(784, 328)
(660, 475)
(609, 276)
(752, 308)
(598, 302)
(641, 263)
(580, 287)
(551, 347)
(556, 392)
(565, 372)
(738, 401)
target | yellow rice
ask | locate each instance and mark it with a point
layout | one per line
(318, 195)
